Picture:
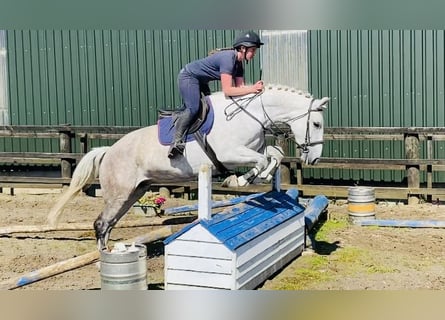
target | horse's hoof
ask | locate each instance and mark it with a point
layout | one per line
(230, 182)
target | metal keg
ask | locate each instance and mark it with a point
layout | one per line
(124, 269)
(361, 202)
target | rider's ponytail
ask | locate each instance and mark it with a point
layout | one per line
(219, 49)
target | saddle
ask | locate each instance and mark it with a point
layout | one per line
(199, 119)
(198, 131)
(203, 123)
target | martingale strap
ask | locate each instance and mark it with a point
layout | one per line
(202, 141)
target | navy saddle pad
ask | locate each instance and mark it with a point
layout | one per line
(166, 127)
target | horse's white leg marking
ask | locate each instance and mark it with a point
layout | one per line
(243, 155)
(248, 176)
(276, 154)
(261, 171)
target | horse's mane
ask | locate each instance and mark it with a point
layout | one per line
(279, 87)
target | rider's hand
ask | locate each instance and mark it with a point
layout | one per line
(259, 86)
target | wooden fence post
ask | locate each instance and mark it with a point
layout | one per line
(429, 167)
(282, 142)
(412, 151)
(65, 147)
(83, 137)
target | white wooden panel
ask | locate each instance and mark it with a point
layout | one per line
(269, 239)
(295, 239)
(211, 280)
(198, 249)
(200, 264)
(172, 286)
(264, 268)
(261, 276)
(198, 233)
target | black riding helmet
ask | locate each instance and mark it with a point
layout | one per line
(248, 39)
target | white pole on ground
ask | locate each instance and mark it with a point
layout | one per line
(205, 192)
(77, 262)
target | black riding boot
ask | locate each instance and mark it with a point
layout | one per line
(182, 123)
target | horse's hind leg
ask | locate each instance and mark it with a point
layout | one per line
(115, 208)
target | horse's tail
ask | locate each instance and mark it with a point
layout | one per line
(87, 170)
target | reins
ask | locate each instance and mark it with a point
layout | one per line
(274, 129)
(240, 107)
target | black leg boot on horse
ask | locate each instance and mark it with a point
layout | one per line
(182, 124)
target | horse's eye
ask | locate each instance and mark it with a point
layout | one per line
(317, 125)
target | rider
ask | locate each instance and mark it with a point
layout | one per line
(225, 65)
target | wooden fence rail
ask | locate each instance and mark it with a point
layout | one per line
(412, 164)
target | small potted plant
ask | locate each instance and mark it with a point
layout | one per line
(149, 204)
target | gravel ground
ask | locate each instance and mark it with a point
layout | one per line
(344, 256)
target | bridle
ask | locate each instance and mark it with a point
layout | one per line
(307, 139)
(274, 129)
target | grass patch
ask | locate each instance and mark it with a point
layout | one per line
(313, 270)
(301, 280)
(324, 230)
(350, 255)
(355, 260)
(332, 262)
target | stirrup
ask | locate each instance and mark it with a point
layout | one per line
(176, 150)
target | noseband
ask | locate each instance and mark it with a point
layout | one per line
(274, 129)
(307, 139)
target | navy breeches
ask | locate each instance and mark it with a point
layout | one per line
(189, 88)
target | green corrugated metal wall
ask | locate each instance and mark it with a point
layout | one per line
(390, 78)
(101, 77)
(115, 77)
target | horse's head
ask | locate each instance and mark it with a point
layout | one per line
(309, 130)
(304, 115)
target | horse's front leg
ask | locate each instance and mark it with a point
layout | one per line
(262, 172)
(244, 156)
(276, 154)
(117, 203)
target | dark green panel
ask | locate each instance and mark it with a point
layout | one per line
(101, 77)
(392, 78)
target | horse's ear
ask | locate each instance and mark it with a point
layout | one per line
(323, 103)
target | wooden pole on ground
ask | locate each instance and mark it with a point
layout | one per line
(77, 226)
(77, 262)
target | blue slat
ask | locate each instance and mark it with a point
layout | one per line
(261, 201)
(249, 220)
(265, 226)
(254, 221)
(250, 210)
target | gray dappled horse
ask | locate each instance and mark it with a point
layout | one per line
(129, 166)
